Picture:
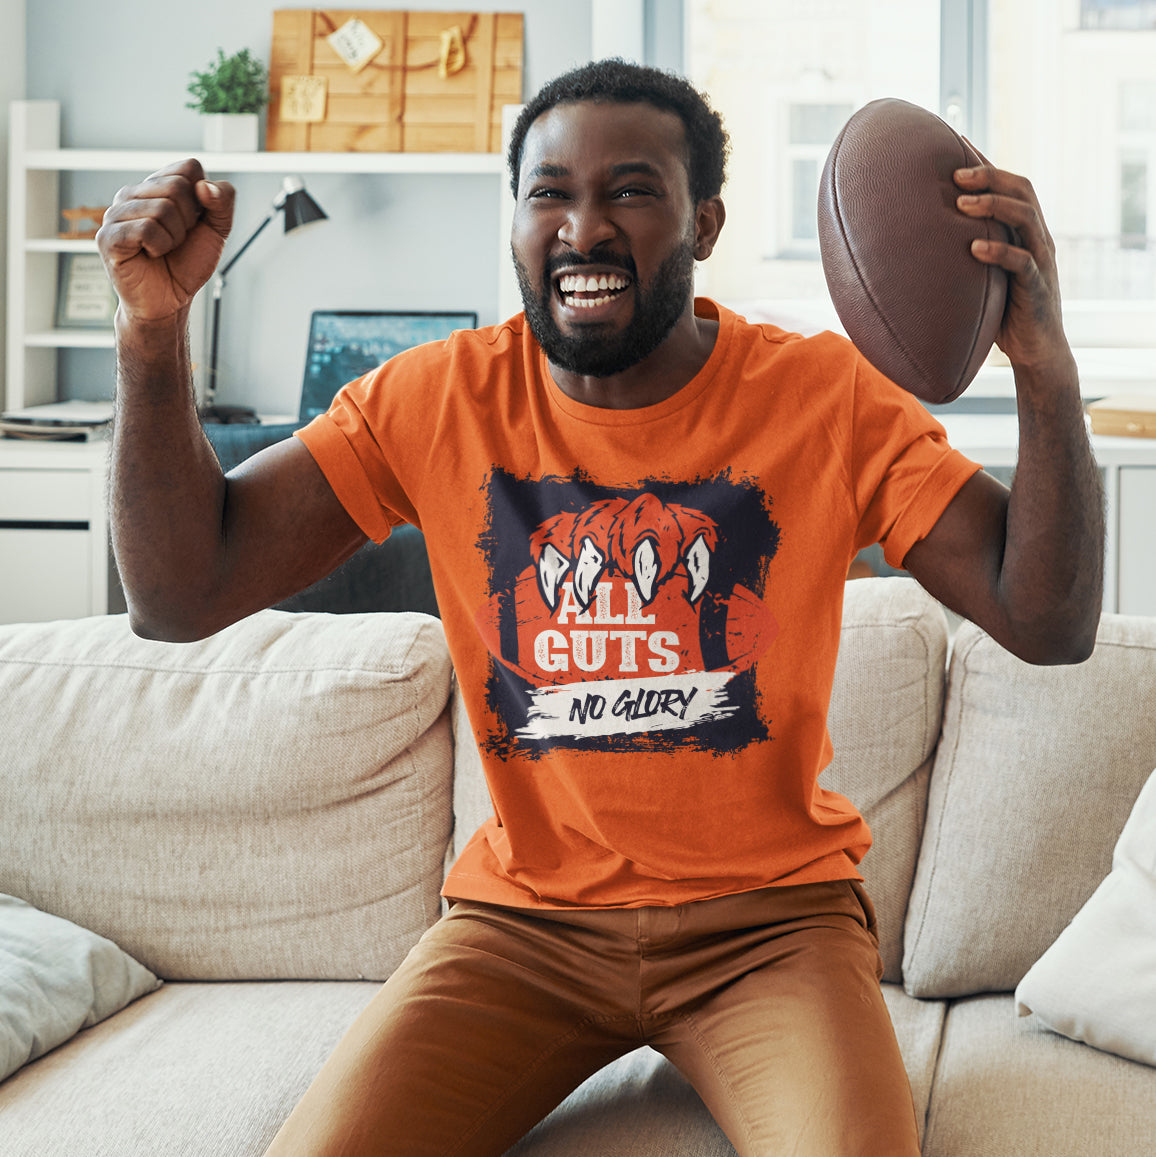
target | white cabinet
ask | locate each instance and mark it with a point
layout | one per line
(1137, 528)
(1128, 468)
(54, 559)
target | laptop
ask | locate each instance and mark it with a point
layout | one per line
(346, 343)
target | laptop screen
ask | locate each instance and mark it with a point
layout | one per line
(344, 344)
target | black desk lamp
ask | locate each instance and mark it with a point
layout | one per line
(299, 209)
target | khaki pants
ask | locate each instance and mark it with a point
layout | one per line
(767, 1001)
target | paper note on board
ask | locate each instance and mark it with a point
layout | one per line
(356, 43)
(303, 98)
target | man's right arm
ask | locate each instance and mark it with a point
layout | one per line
(196, 550)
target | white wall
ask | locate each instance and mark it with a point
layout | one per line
(120, 71)
(11, 88)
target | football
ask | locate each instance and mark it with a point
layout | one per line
(896, 250)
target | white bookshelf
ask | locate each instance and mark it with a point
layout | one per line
(53, 524)
(35, 164)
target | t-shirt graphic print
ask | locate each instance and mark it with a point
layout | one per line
(625, 619)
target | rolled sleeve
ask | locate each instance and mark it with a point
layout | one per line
(338, 461)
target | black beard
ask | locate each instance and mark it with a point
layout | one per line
(657, 308)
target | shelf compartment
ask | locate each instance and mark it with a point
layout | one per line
(60, 245)
(71, 339)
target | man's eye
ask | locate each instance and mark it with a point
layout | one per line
(544, 194)
(632, 191)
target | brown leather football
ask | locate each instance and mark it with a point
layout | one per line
(897, 251)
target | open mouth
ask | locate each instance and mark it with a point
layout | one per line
(588, 290)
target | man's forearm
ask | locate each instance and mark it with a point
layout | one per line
(166, 487)
(1053, 565)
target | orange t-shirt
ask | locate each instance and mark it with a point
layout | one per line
(643, 606)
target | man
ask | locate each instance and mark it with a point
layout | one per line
(640, 512)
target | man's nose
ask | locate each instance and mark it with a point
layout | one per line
(586, 226)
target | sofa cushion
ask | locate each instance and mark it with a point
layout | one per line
(271, 802)
(200, 1070)
(884, 720)
(638, 1106)
(1097, 982)
(1008, 1088)
(222, 1065)
(55, 979)
(1037, 770)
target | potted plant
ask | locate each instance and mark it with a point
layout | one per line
(229, 94)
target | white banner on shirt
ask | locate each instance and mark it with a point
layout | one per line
(628, 706)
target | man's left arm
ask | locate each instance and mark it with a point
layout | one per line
(1027, 564)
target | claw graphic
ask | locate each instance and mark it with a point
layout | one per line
(645, 540)
(549, 562)
(590, 544)
(697, 560)
(645, 569)
(591, 563)
(551, 567)
(702, 534)
(648, 522)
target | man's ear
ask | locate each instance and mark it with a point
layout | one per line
(709, 216)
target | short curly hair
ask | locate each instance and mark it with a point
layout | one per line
(616, 81)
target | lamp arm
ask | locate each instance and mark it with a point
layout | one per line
(252, 237)
(218, 287)
(211, 382)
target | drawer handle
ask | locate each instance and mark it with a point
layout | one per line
(29, 524)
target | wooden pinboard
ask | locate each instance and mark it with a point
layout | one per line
(437, 83)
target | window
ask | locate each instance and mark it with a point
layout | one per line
(1063, 91)
(1079, 117)
(1130, 15)
(812, 130)
(1137, 163)
(786, 76)
(1134, 203)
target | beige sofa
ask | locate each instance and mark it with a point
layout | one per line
(263, 819)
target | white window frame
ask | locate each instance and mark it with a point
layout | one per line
(1118, 331)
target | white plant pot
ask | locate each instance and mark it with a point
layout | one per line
(231, 132)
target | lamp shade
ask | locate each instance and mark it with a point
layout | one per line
(300, 209)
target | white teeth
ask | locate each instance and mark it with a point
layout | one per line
(587, 302)
(577, 283)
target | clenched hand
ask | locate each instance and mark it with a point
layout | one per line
(162, 239)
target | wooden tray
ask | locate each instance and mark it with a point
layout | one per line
(1126, 415)
(414, 95)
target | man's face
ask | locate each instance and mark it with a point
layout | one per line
(604, 233)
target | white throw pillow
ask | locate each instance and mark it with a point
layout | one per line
(55, 979)
(1097, 982)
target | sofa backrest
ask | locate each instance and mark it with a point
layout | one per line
(884, 720)
(1036, 773)
(885, 716)
(272, 802)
